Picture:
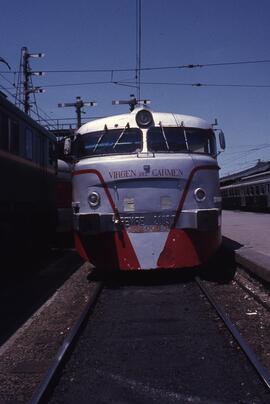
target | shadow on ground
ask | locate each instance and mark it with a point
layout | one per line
(222, 266)
(27, 284)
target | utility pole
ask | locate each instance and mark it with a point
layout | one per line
(132, 102)
(27, 73)
(138, 46)
(79, 104)
(26, 81)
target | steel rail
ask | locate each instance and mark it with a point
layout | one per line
(260, 369)
(42, 391)
(252, 294)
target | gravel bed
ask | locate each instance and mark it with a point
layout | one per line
(251, 318)
(26, 356)
(156, 339)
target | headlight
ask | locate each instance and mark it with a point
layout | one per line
(144, 118)
(94, 199)
(200, 194)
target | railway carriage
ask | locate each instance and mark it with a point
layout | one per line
(251, 192)
(28, 178)
(146, 191)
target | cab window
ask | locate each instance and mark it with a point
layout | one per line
(106, 142)
(180, 139)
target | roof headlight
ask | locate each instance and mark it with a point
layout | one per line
(144, 118)
(94, 199)
(200, 194)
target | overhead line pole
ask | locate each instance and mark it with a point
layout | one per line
(139, 47)
(26, 82)
(27, 73)
(79, 104)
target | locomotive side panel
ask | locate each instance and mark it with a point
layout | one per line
(28, 167)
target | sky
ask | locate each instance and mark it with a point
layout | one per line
(101, 35)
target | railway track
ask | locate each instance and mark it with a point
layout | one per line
(154, 320)
(43, 390)
(254, 289)
(260, 369)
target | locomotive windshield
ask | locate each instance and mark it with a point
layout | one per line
(159, 140)
(115, 141)
(180, 139)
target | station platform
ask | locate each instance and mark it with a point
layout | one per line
(248, 235)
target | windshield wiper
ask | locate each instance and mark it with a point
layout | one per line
(164, 136)
(100, 138)
(121, 135)
(186, 140)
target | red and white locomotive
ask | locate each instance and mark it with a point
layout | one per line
(146, 191)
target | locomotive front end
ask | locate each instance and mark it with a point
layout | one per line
(145, 192)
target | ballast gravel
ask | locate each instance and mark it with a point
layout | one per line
(27, 354)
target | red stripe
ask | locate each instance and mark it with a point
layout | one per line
(79, 246)
(126, 254)
(97, 173)
(180, 248)
(186, 190)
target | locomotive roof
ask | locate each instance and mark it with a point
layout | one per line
(167, 119)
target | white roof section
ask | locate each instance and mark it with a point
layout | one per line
(167, 119)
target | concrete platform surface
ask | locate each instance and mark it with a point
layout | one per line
(248, 234)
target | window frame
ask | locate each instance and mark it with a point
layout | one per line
(28, 143)
(81, 142)
(186, 140)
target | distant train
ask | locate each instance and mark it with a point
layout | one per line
(28, 182)
(146, 191)
(251, 193)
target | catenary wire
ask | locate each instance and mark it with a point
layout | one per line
(133, 84)
(149, 68)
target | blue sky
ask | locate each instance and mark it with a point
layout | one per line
(102, 35)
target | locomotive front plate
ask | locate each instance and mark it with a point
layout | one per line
(147, 222)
